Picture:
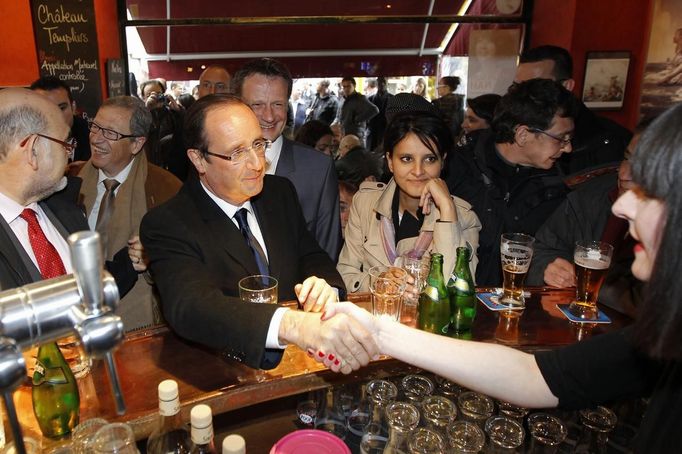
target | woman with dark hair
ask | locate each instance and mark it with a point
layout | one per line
(414, 212)
(479, 113)
(643, 360)
(316, 134)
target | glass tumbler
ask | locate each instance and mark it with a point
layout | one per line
(505, 434)
(380, 393)
(438, 413)
(425, 441)
(402, 418)
(547, 433)
(475, 407)
(512, 411)
(597, 423)
(83, 435)
(115, 438)
(416, 388)
(465, 437)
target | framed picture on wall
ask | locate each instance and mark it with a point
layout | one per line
(606, 75)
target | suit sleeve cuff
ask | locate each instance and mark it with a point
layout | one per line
(272, 341)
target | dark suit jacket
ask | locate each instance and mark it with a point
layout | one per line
(197, 257)
(16, 267)
(315, 181)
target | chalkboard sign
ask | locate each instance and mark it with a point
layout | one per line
(66, 43)
(116, 82)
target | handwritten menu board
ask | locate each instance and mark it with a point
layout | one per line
(116, 83)
(66, 43)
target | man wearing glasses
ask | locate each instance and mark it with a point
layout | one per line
(119, 187)
(508, 172)
(38, 207)
(214, 79)
(231, 220)
(597, 141)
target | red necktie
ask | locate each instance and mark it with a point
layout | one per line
(49, 262)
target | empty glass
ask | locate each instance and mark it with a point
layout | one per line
(402, 419)
(380, 393)
(438, 413)
(31, 445)
(597, 423)
(115, 438)
(83, 435)
(416, 388)
(465, 437)
(504, 433)
(447, 388)
(258, 289)
(331, 418)
(418, 268)
(512, 411)
(475, 407)
(547, 433)
(425, 441)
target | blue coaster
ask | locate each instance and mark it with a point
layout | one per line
(601, 317)
(492, 302)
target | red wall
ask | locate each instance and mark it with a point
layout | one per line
(604, 25)
(18, 58)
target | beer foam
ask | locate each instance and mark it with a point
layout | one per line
(600, 263)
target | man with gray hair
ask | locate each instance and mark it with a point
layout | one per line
(37, 203)
(119, 187)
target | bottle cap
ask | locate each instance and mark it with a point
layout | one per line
(201, 416)
(168, 390)
(234, 444)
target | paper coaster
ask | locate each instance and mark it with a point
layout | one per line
(601, 317)
(492, 302)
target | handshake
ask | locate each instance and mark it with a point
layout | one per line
(343, 336)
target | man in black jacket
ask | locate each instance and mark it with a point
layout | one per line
(507, 173)
(597, 141)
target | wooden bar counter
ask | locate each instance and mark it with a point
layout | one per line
(147, 357)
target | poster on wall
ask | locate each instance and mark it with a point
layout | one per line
(662, 86)
(492, 60)
(66, 44)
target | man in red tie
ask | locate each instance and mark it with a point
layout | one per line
(37, 203)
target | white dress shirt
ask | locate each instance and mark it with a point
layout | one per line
(272, 156)
(272, 340)
(121, 177)
(10, 211)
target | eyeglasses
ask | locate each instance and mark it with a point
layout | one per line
(69, 146)
(108, 134)
(259, 146)
(565, 141)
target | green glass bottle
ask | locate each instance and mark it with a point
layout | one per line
(434, 305)
(462, 293)
(55, 393)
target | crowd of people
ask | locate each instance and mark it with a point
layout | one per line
(190, 196)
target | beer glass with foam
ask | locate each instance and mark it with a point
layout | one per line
(516, 252)
(592, 260)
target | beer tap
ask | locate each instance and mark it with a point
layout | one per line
(82, 302)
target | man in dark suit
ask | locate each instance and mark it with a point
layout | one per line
(234, 221)
(265, 86)
(34, 148)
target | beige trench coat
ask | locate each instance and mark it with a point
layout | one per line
(363, 246)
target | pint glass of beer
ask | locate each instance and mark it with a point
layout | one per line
(592, 260)
(516, 251)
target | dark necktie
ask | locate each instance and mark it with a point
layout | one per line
(106, 207)
(49, 262)
(252, 242)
